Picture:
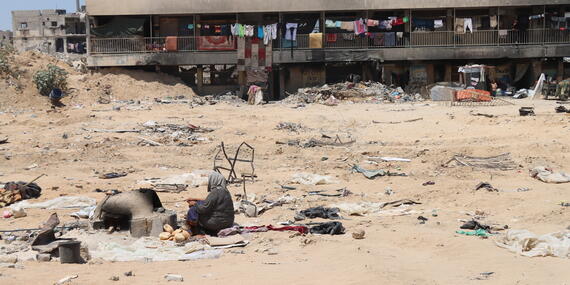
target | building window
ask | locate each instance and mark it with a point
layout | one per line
(23, 25)
(54, 24)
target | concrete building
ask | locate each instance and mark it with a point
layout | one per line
(407, 42)
(5, 38)
(49, 31)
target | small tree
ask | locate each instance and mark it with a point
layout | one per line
(6, 56)
(51, 78)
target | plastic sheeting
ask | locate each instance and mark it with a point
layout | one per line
(72, 202)
(312, 179)
(368, 208)
(195, 179)
(545, 174)
(150, 249)
(529, 244)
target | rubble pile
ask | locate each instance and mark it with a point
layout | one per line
(173, 134)
(364, 92)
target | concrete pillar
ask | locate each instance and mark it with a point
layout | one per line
(88, 32)
(65, 45)
(560, 72)
(281, 82)
(200, 78)
(430, 71)
(450, 20)
(536, 69)
(448, 72)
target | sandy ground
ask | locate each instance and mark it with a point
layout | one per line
(396, 250)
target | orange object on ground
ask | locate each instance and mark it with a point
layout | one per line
(473, 95)
(171, 44)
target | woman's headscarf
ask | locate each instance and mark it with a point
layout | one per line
(216, 181)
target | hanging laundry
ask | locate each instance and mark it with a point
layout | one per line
(390, 39)
(459, 26)
(400, 35)
(190, 26)
(274, 31)
(467, 24)
(249, 31)
(379, 39)
(317, 28)
(348, 37)
(359, 27)
(385, 25)
(347, 26)
(267, 33)
(260, 32)
(372, 23)
(438, 24)
(226, 30)
(218, 29)
(330, 24)
(234, 29)
(291, 31)
(331, 38)
(493, 21)
(396, 21)
(241, 30)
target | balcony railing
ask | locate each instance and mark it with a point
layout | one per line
(337, 41)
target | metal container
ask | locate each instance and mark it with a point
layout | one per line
(70, 252)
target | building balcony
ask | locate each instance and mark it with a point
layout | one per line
(336, 41)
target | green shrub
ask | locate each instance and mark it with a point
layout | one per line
(48, 79)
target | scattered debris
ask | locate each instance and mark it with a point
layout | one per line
(371, 92)
(291, 127)
(244, 154)
(176, 182)
(3, 140)
(479, 233)
(529, 244)
(559, 109)
(358, 234)
(422, 220)
(527, 111)
(339, 193)
(66, 279)
(371, 174)
(318, 212)
(67, 202)
(394, 208)
(500, 162)
(487, 186)
(547, 175)
(174, 277)
(398, 122)
(331, 228)
(484, 276)
(112, 175)
(312, 179)
(324, 141)
(13, 192)
(112, 131)
(482, 115)
(474, 225)
(390, 159)
(428, 183)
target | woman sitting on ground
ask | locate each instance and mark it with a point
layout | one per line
(216, 212)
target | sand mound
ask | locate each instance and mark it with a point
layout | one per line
(86, 87)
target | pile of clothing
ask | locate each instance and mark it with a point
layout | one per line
(13, 192)
(361, 26)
